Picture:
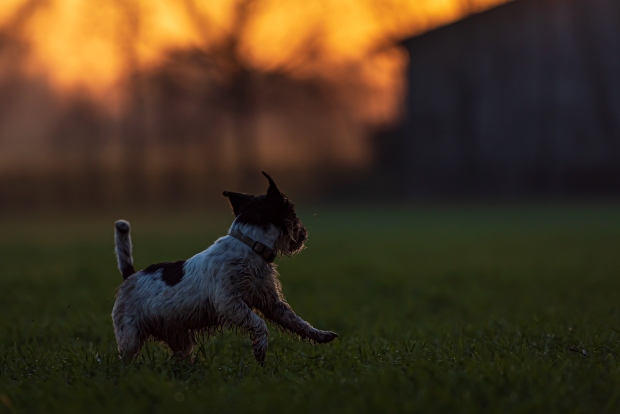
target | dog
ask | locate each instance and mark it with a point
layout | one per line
(224, 286)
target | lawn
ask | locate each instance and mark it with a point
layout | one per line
(438, 309)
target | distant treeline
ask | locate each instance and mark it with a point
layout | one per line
(184, 131)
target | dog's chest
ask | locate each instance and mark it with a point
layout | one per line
(253, 281)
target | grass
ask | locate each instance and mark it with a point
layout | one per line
(511, 310)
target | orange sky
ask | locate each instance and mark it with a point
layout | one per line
(90, 45)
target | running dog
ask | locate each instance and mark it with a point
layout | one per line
(225, 286)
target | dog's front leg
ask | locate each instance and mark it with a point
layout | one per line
(281, 313)
(239, 314)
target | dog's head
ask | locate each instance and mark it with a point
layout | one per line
(271, 208)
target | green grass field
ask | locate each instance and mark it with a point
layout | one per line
(467, 310)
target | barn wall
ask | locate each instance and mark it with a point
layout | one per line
(522, 99)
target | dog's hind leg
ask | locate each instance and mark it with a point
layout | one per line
(181, 343)
(282, 314)
(240, 315)
(130, 341)
(127, 326)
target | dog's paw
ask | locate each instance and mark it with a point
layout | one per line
(260, 356)
(260, 349)
(326, 336)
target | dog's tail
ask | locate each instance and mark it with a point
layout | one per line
(122, 239)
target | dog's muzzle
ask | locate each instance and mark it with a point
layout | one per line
(298, 239)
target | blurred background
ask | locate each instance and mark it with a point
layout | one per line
(154, 105)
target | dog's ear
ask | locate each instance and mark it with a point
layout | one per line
(272, 192)
(238, 201)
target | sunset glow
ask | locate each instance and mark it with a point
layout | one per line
(77, 44)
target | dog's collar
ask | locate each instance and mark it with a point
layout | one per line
(263, 251)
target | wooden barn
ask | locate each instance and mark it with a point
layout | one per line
(523, 99)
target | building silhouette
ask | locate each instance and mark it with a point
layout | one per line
(523, 99)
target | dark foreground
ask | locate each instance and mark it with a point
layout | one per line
(512, 310)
